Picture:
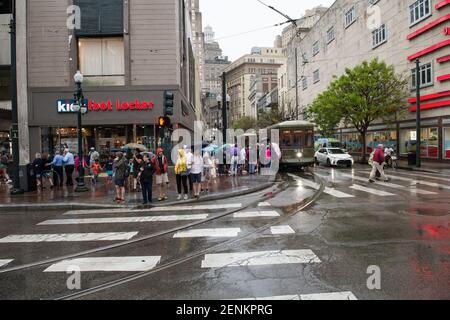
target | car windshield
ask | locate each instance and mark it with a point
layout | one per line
(336, 151)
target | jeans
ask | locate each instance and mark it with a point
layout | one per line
(234, 165)
(251, 168)
(182, 180)
(69, 172)
(146, 191)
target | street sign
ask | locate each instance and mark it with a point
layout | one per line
(5, 6)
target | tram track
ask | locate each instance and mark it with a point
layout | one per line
(127, 279)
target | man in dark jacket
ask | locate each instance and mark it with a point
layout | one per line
(378, 164)
(146, 178)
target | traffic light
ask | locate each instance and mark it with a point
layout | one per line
(164, 122)
(168, 103)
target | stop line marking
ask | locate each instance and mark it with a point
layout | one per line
(256, 214)
(213, 233)
(345, 295)
(242, 259)
(372, 191)
(125, 219)
(107, 264)
(69, 237)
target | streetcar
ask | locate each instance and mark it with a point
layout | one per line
(296, 141)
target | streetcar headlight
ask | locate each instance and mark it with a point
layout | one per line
(299, 155)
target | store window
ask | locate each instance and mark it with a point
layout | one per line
(446, 143)
(386, 138)
(101, 61)
(429, 145)
(352, 142)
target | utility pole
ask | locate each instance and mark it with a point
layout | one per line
(14, 112)
(224, 110)
(418, 125)
(296, 83)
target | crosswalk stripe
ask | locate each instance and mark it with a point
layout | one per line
(372, 191)
(68, 237)
(4, 262)
(212, 233)
(426, 183)
(276, 230)
(423, 176)
(411, 189)
(346, 295)
(329, 296)
(240, 259)
(158, 209)
(264, 204)
(125, 219)
(107, 264)
(256, 214)
(337, 193)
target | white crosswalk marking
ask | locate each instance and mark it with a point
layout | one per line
(411, 189)
(276, 230)
(4, 262)
(158, 209)
(240, 259)
(256, 214)
(69, 237)
(372, 191)
(213, 233)
(338, 194)
(347, 295)
(264, 204)
(107, 264)
(125, 219)
(424, 176)
(425, 183)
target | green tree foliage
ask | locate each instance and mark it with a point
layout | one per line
(370, 91)
(245, 123)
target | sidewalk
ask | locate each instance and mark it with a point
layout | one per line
(103, 194)
(427, 166)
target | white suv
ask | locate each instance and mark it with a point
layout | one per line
(334, 157)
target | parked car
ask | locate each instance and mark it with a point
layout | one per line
(334, 157)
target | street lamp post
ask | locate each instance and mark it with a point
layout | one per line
(418, 124)
(80, 108)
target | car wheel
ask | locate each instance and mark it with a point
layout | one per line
(317, 161)
(349, 166)
(328, 162)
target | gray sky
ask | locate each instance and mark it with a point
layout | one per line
(233, 17)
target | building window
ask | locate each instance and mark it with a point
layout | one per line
(446, 143)
(379, 36)
(100, 17)
(316, 76)
(101, 60)
(429, 146)
(330, 35)
(305, 83)
(426, 76)
(419, 11)
(350, 17)
(316, 48)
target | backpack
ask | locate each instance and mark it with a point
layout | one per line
(235, 152)
(371, 158)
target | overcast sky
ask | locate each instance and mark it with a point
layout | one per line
(233, 17)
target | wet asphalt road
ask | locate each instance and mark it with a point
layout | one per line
(402, 228)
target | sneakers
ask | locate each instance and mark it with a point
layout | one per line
(371, 181)
(186, 197)
(179, 197)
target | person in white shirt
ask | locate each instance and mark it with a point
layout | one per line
(242, 158)
(196, 173)
(189, 159)
(207, 168)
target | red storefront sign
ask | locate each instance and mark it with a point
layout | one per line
(110, 105)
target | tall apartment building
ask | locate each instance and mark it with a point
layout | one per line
(130, 53)
(215, 64)
(263, 62)
(5, 81)
(407, 30)
(198, 37)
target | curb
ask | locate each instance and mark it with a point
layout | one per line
(28, 207)
(417, 169)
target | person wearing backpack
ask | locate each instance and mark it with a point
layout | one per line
(121, 172)
(234, 152)
(146, 179)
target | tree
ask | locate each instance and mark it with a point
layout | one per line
(370, 91)
(269, 118)
(245, 123)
